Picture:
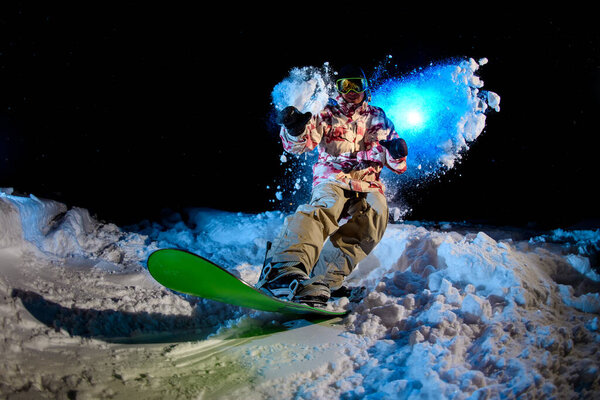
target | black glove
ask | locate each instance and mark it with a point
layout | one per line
(293, 120)
(396, 147)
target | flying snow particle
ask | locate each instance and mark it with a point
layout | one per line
(438, 110)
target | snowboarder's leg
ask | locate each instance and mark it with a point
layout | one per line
(354, 240)
(304, 232)
(297, 248)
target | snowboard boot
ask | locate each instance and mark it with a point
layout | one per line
(313, 293)
(282, 280)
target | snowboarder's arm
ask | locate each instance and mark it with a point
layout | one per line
(300, 132)
(395, 149)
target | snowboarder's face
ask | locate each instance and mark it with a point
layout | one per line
(353, 97)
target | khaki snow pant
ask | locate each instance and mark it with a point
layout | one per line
(303, 237)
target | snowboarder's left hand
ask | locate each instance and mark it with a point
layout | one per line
(396, 147)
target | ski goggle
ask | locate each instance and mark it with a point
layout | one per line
(347, 85)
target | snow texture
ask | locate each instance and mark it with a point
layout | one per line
(450, 312)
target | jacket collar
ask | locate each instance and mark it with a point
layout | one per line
(348, 109)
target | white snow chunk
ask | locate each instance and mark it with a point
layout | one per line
(475, 309)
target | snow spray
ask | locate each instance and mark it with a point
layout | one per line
(439, 110)
(309, 90)
(306, 88)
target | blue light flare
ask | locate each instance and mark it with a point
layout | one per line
(426, 108)
(438, 110)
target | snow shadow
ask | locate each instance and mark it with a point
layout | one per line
(113, 325)
(565, 274)
(125, 327)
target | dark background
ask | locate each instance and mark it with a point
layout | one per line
(129, 109)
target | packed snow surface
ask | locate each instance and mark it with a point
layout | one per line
(450, 312)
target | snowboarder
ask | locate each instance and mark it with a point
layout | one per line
(355, 141)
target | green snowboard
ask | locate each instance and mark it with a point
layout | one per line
(191, 274)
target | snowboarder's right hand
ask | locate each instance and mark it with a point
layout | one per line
(293, 120)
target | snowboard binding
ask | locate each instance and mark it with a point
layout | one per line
(293, 284)
(313, 293)
(289, 281)
(281, 281)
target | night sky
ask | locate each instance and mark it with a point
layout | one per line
(128, 110)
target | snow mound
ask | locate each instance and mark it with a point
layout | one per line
(56, 231)
(449, 314)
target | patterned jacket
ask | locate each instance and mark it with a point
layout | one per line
(347, 136)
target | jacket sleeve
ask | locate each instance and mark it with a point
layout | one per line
(314, 131)
(397, 165)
